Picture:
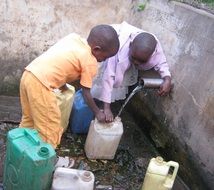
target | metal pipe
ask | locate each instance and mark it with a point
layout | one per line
(144, 83)
(150, 82)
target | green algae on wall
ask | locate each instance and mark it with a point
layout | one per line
(207, 5)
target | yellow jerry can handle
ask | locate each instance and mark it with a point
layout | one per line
(171, 178)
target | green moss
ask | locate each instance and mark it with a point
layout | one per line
(207, 1)
(142, 6)
(203, 4)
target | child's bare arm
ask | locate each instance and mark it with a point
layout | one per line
(90, 101)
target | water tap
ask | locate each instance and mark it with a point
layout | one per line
(150, 82)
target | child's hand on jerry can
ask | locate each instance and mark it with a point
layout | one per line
(100, 116)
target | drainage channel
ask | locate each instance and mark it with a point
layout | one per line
(125, 172)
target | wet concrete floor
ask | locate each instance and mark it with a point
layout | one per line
(125, 172)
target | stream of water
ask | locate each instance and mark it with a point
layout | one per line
(137, 89)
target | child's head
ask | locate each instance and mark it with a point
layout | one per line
(142, 48)
(103, 41)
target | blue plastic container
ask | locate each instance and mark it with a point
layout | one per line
(81, 115)
(29, 162)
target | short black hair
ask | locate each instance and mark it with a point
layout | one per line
(145, 41)
(104, 36)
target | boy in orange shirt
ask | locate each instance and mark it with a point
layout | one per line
(70, 59)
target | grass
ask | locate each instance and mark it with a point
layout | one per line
(199, 3)
(208, 2)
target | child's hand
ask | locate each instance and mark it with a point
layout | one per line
(63, 88)
(101, 116)
(165, 87)
(109, 115)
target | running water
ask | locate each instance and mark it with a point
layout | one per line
(144, 83)
(137, 89)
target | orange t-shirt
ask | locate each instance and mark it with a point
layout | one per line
(68, 60)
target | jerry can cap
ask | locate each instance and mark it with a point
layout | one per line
(43, 152)
(86, 176)
(159, 160)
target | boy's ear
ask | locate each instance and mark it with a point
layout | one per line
(97, 48)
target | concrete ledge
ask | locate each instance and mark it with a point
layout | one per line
(10, 109)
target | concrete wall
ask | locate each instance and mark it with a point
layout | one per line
(29, 27)
(183, 122)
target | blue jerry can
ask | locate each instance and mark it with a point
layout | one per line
(81, 115)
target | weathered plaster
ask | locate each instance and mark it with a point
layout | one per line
(30, 27)
(182, 122)
(187, 36)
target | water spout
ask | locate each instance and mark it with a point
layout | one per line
(137, 89)
(144, 83)
(150, 83)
